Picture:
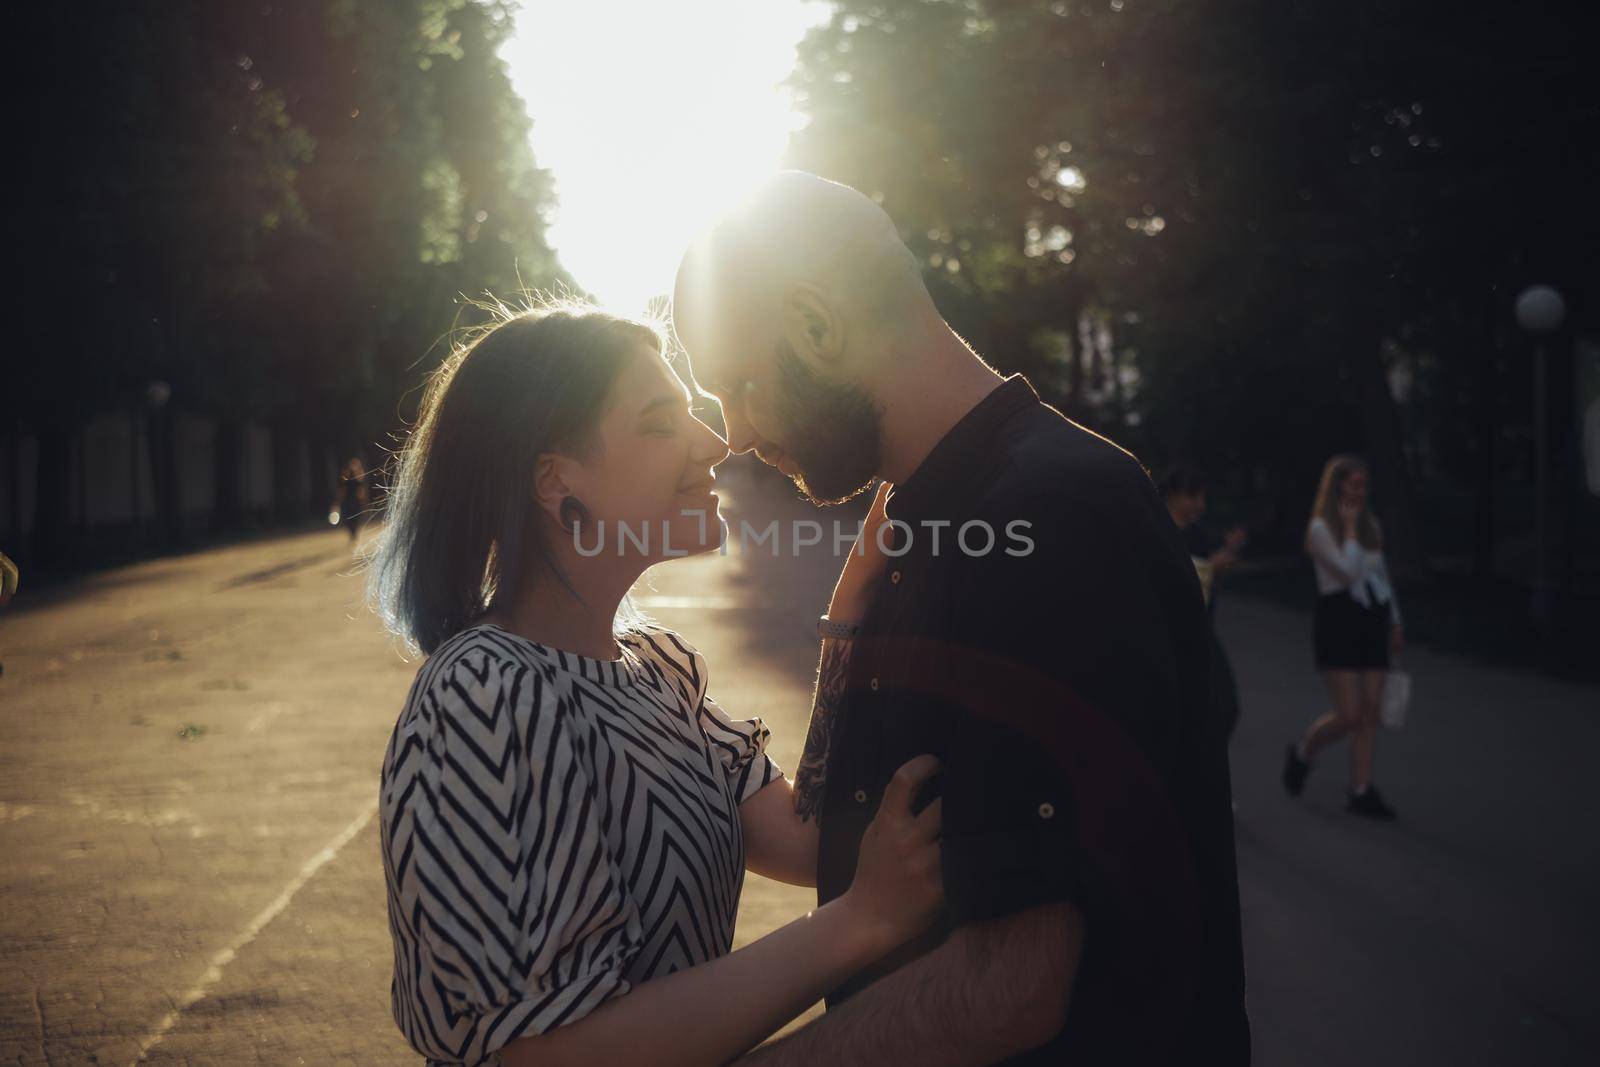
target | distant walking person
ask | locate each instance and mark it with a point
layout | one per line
(1183, 488)
(1357, 628)
(353, 497)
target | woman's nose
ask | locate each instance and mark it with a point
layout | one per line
(742, 436)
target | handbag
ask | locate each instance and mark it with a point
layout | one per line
(1396, 700)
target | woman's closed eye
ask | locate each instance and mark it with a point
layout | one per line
(664, 420)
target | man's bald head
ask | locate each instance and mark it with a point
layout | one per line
(793, 307)
(797, 228)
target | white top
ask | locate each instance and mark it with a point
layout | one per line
(1350, 567)
(556, 828)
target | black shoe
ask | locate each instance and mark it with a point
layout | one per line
(1295, 770)
(1371, 804)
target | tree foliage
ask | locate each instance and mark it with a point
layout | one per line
(1213, 230)
(270, 207)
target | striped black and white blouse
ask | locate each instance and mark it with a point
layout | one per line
(555, 829)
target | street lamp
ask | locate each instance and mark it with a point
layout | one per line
(1540, 311)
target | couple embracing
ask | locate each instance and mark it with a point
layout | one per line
(1013, 799)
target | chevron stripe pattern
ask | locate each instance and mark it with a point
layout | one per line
(555, 829)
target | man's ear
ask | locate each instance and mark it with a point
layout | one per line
(550, 483)
(812, 327)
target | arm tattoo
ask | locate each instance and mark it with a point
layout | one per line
(809, 776)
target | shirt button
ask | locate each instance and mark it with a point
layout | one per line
(861, 796)
(895, 577)
(873, 685)
(1047, 810)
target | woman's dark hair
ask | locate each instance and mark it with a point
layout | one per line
(1185, 478)
(462, 524)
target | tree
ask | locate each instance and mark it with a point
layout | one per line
(271, 208)
(1266, 207)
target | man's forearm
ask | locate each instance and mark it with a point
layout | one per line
(992, 990)
(809, 776)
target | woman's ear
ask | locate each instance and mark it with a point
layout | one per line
(811, 326)
(550, 484)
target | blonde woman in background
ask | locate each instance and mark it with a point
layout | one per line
(1357, 629)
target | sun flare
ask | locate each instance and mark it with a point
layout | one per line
(652, 117)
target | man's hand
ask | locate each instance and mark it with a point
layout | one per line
(1228, 554)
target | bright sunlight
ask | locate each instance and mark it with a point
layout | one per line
(652, 117)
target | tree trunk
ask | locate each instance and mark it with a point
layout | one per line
(319, 490)
(165, 479)
(15, 534)
(285, 502)
(52, 539)
(1391, 482)
(1486, 402)
(228, 473)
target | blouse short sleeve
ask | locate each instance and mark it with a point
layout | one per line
(741, 747)
(740, 744)
(502, 883)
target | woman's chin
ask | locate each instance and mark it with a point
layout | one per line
(698, 527)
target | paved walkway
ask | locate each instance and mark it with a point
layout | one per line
(189, 752)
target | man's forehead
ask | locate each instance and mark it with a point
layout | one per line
(713, 352)
(719, 298)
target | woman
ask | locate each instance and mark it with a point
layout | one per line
(566, 813)
(1357, 628)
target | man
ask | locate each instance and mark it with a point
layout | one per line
(1183, 487)
(1060, 675)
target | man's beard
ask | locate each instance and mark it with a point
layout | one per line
(833, 429)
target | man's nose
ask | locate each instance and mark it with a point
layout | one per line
(742, 437)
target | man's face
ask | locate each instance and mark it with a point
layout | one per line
(1187, 508)
(823, 434)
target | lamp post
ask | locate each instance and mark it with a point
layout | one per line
(1540, 311)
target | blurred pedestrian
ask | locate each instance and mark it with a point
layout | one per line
(352, 503)
(1183, 487)
(1356, 630)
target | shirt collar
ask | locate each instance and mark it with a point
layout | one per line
(943, 480)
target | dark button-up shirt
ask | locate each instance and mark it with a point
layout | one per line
(1040, 629)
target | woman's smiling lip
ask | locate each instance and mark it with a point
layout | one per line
(700, 488)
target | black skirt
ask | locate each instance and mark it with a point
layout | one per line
(1349, 637)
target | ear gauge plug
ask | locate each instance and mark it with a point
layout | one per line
(573, 512)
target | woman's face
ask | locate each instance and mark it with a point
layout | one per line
(652, 470)
(1354, 488)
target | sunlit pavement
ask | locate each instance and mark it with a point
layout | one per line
(189, 751)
